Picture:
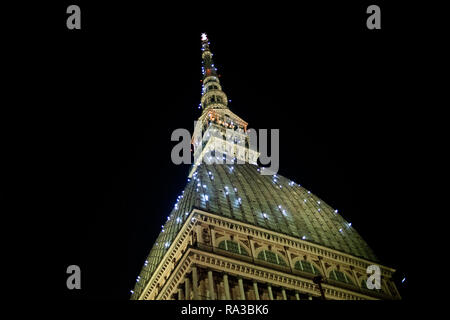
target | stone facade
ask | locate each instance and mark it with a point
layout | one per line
(198, 268)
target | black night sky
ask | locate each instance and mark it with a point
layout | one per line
(339, 93)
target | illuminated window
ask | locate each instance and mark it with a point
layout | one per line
(232, 246)
(305, 266)
(271, 257)
(340, 276)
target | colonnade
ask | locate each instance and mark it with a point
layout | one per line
(204, 284)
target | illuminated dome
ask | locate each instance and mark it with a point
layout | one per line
(272, 202)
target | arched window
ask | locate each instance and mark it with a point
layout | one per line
(232, 246)
(305, 266)
(340, 276)
(212, 87)
(271, 257)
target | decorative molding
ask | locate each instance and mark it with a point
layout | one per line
(218, 263)
(170, 273)
(271, 237)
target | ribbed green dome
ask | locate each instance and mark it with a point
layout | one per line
(273, 202)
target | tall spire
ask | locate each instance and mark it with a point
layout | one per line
(208, 68)
(219, 136)
(212, 95)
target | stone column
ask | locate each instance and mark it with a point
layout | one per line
(255, 287)
(198, 232)
(269, 288)
(288, 254)
(297, 296)
(241, 288)
(322, 264)
(227, 287)
(355, 277)
(211, 285)
(187, 288)
(213, 236)
(283, 292)
(180, 294)
(195, 282)
(252, 247)
(203, 292)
